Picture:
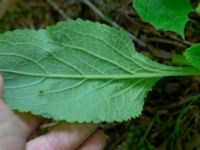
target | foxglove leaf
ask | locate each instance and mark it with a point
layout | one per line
(77, 71)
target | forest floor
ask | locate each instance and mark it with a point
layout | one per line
(171, 115)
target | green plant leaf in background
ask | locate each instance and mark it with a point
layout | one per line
(169, 15)
(78, 71)
(192, 54)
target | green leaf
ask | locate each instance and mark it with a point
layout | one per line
(169, 15)
(197, 9)
(78, 71)
(179, 59)
(192, 54)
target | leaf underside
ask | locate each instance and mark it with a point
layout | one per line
(192, 54)
(76, 71)
(169, 15)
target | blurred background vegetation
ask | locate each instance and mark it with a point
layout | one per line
(171, 116)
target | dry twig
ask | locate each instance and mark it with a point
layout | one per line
(113, 23)
(55, 6)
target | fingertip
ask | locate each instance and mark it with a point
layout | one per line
(96, 141)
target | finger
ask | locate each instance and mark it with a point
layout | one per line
(12, 134)
(63, 136)
(96, 141)
(31, 122)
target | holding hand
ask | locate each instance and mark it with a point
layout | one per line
(16, 128)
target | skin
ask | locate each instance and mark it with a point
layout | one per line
(16, 128)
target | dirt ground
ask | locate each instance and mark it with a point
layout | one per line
(171, 116)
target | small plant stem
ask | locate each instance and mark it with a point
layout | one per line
(148, 130)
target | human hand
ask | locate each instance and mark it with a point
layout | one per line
(16, 128)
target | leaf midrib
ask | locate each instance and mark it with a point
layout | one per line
(180, 71)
